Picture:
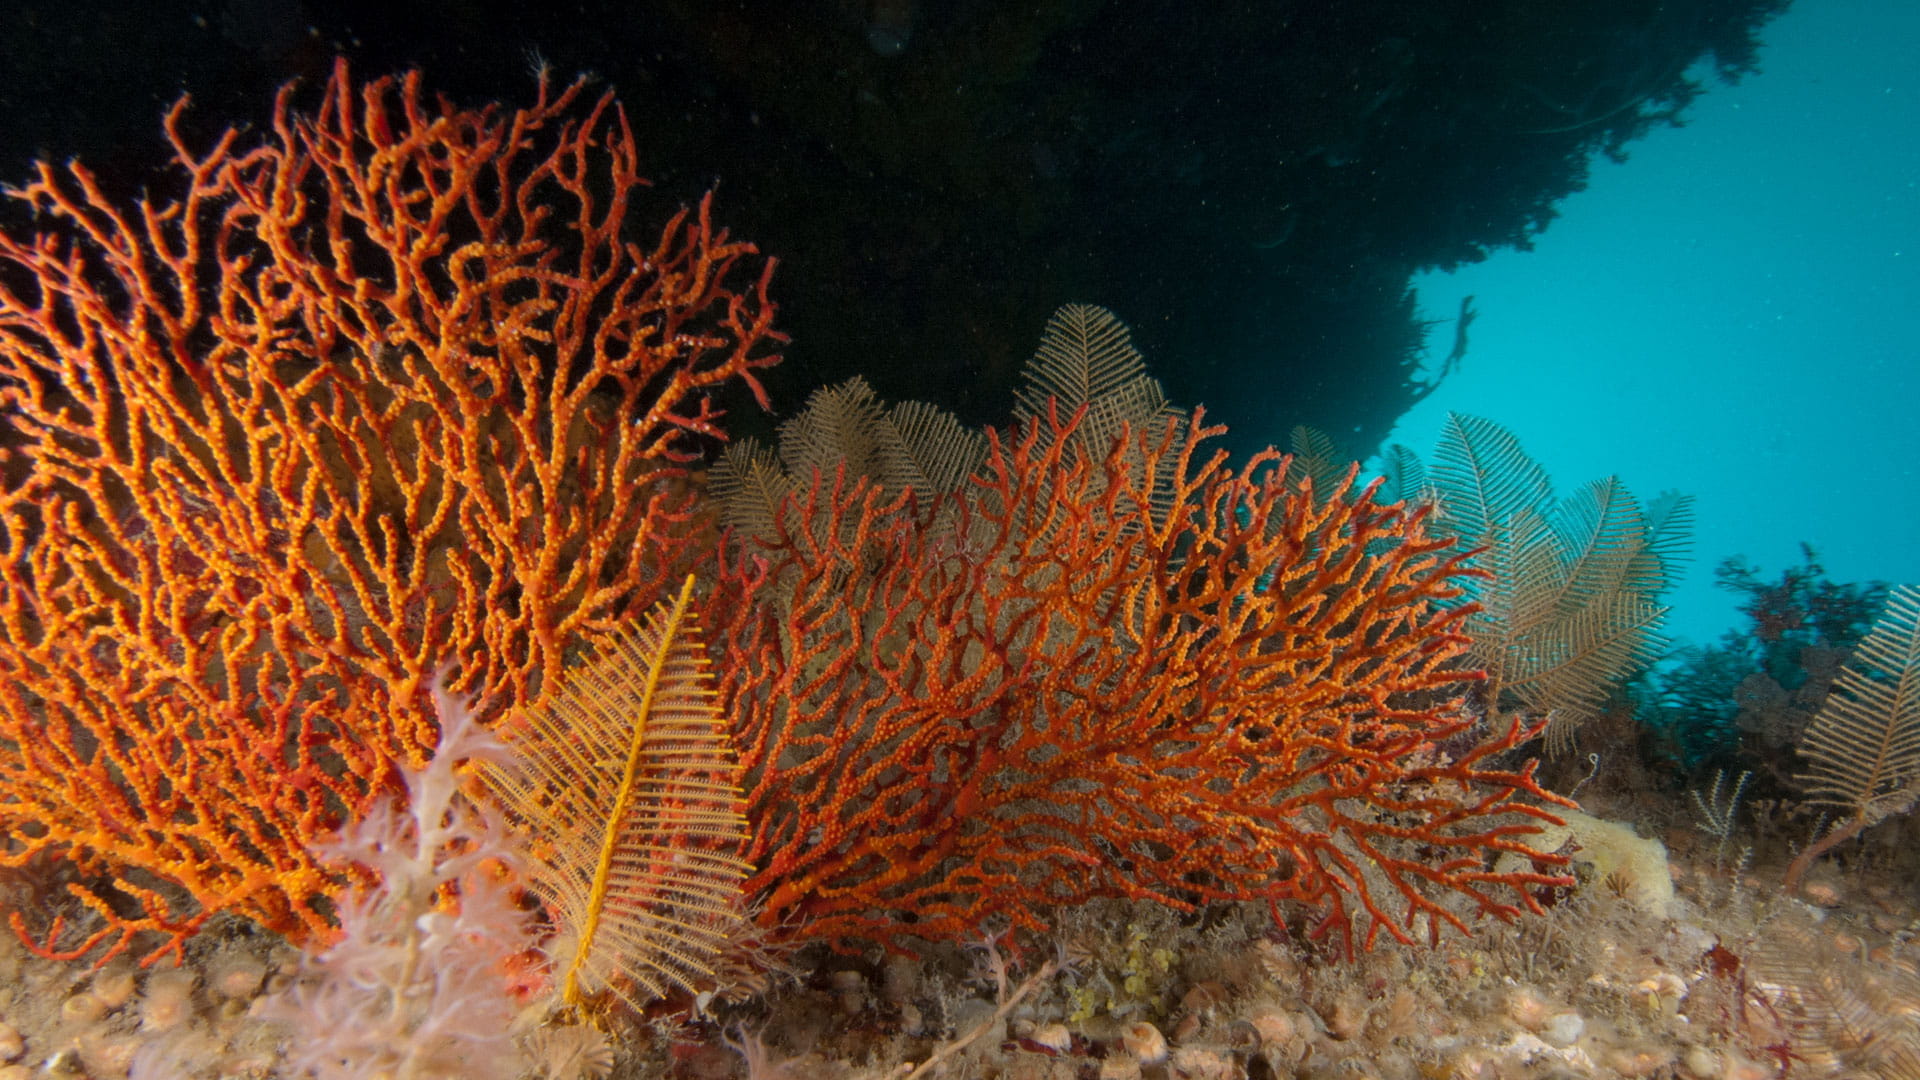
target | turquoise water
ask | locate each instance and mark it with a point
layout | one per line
(1734, 313)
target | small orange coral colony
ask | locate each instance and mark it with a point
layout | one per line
(390, 388)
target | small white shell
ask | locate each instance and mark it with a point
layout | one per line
(1053, 1037)
(1563, 1029)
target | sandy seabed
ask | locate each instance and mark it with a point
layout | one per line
(1727, 980)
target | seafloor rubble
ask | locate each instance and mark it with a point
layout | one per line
(1724, 979)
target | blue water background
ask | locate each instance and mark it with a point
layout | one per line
(1734, 313)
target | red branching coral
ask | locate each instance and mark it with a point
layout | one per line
(1148, 675)
(386, 389)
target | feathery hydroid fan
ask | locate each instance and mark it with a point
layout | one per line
(626, 782)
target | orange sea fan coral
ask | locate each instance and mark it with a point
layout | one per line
(1143, 675)
(385, 388)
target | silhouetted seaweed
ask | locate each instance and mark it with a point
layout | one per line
(1743, 702)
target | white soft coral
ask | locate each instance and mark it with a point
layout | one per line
(418, 987)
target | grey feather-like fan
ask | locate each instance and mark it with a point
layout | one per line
(1569, 611)
(912, 445)
(1847, 1016)
(1086, 359)
(1863, 749)
(1314, 459)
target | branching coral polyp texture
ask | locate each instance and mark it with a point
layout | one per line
(1147, 674)
(387, 388)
